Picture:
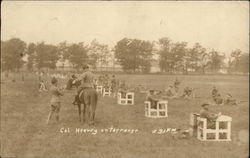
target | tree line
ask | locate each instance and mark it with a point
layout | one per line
(134, 56)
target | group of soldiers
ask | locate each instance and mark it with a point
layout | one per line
(171, 92)
(219, 100)
(88, 80)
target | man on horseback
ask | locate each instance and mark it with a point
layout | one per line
(87, 82)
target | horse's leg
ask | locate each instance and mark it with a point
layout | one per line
(79, 111)
(83, 112)
(93, 103)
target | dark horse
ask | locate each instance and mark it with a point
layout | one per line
(88, 98)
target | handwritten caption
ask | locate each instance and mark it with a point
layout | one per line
(94, 131)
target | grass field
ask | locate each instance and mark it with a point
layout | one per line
(24, 132)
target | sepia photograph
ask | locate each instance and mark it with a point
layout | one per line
(124, 79)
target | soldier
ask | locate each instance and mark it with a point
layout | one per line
(87, 82)
(123, 89)
(113, 84)
(218, 99)
(106, 81)
(229, 100)
(214, 92)
(151, 98)
(55, 102)
(216, 96)
(169, 91)
(176, 85)
(187, 92)
(42, 86)
(211, 117)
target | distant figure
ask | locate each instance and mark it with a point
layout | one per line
(176, 85)
(113, 84)
(151, 98)
(95, 82)
(170, 91)
(123, 89)
(101, 79)
(187, 92)
(42, 86)
(218, 99)
(106, 81)
(55, 102)
(211, 117)
(215, 92)
(216, 96)
(229, 100)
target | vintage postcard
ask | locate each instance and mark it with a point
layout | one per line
(127, 79)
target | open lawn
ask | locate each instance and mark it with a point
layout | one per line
(24, 132)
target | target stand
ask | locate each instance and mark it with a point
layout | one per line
(99, 89)
(218, 133)
(127, 100)
(161, 110)
(106, 92)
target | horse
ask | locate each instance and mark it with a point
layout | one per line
(88, 98)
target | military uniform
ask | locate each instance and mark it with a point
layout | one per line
(123, 90)
(187, 92)
(87, 83)
(113, 84)
(87, 79)
(55, 99)
(211, 118)
(152, 100)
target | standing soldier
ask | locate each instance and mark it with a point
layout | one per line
(176, 85)
(113, 84)
(55, 100)
(106, 81)
(87, 82)
(152, 99)
(123, 89)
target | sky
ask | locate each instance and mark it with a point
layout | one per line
(223, 26)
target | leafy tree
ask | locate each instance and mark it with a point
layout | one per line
(134, 55)
(244, 63)
(204, 62)
(46, 55)
(179, 52)
(77, 55)
(216, 60)
(63, 52)
(166, 57)
(12, 52)
(195, 56)
(31, 55)
(98, 54)
(234, 60)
